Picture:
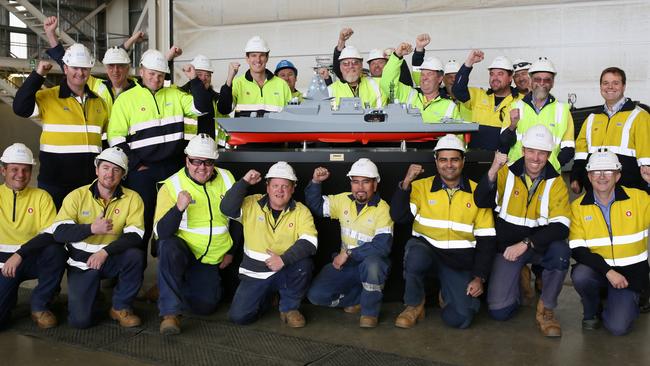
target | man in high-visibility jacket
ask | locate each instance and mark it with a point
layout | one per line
(539, 107)
(451, 234)
(427, 98)
(288, 72)
(353, 83)
(258, 91)
(609, 241)
(279, 239)
(101, 224)
(28, 250)
(194, 243)
(487, 107)
(531, 203)
(73, 118)
(147, 122)
(355, 278)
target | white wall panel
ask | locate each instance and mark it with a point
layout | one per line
(580, 37)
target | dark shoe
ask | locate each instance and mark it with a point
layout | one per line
(125, 317)
(170, 325)
(293, 318)
(44, 319)
(591, 324)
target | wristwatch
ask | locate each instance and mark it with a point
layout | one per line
(528, 242)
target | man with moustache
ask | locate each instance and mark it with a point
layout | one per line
(540, 107)
(486, 107)
(353, 83)
(258, 90)
(427, 97)
(73, 119)
(355, 278)
(521, 76)
(609, 242)
(531, 205)
(279, 239)
(102, 226)
(194, 243)
(286, 71)
(147, 123)
(451, 235)
(28, 249)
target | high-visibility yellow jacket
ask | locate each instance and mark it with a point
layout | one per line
(248, 96)
(203, 227)
(623, 246)
(367, 89)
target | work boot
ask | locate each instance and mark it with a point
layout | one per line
(293, 318)
(367, 321)
(152, 294)
(125, 317)
(407, 318)
(170, 325)
(538, 284)
(354, 309)
(591, 324)
(525, 284)
(546, 321)
(44, 319)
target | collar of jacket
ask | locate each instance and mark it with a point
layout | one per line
(130, 83)
(627, 106)
(517, 168)
(619, 195)
(528, 99)
(249, 76)
(513, 91)
(212, 177)
(65, 92)
(436, 185)
(95, 191)
(264, 201)
(374, 200)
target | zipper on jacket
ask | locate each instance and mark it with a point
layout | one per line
(211, 218)
(13, 215)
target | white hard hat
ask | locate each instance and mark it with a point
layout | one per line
(77, 55)
(520, 64)
(281, 170)
(432, 63)
(201, 62)
(154, 60)
(538, 137)
(375, 54)
(603, 160)
(501, 62)
(114, 155)
(350, 52)
(364, 168)
(450, 142)
(116, 55)
(542, 64)
(256, 44)
(18, 153)
(452, 67)
(202, 146)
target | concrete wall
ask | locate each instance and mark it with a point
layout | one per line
(580, 37)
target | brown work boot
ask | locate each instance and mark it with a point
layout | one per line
(546, 321)
(410, 316)
(527, 292)
(125, 317)
(538, 284)
(170, 325)
(367, 321)
(44, 319)
(354, 309)
(293, 318)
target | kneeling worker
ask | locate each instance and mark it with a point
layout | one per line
(194, 240)
(102, 224)
(355, 278)
(279, 239)
(28, 250)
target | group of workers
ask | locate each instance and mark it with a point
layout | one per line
(477, 237)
